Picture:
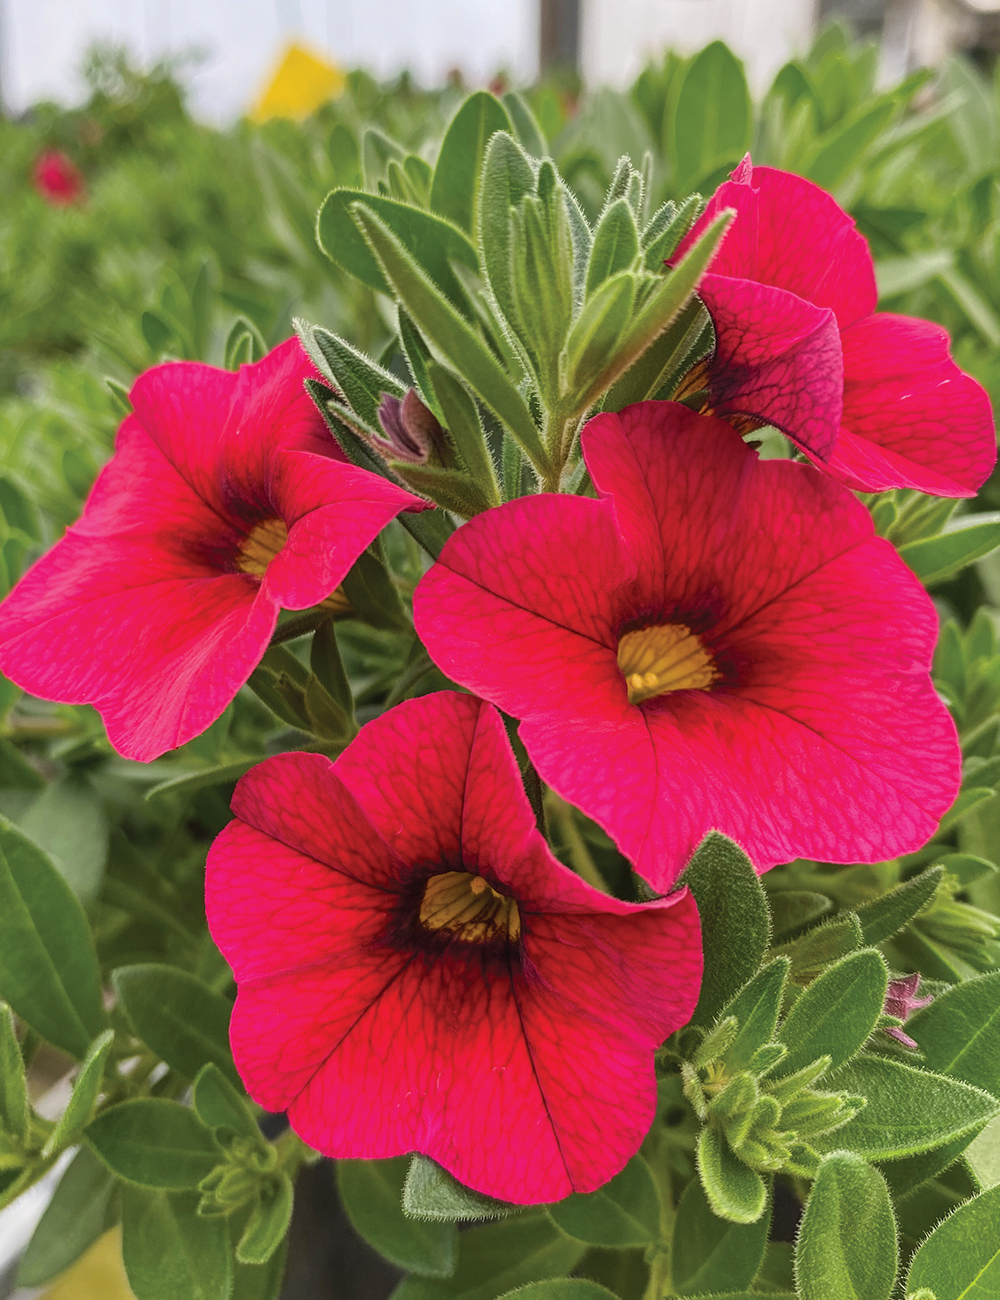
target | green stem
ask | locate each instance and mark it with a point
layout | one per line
(661, 1264)
(579, 855)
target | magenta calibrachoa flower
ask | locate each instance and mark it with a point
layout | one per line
(417, 972)
(226, 500)
(718, 642)
(873, 398)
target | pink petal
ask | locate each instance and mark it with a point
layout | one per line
(777, 358)
(333, 511)
(294, 798)
(810, 246)
(488, 609)
(158, 644)
(911, 417)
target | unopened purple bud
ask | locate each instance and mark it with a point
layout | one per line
(413, 433)
(900, 1002)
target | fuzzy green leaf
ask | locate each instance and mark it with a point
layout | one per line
(562, 1288)
(268, 1222)
(431, 242)
(361, 380)
(882, 917)
(960, 1260)
(846, 1248)
(452, 335)
(372, 1194)
(73, 1220)
(219, 1105)
(48, 966)
(14, 1109)
(710, 1253)
(459, 168)
(500, 1257)
(734, 1191)
(624, 1212)
(171, 1251)
(908, 1110)
(507, 177)
(615, 246)
(837, 1012)
(83, 1098)
(734, 920)
(959, 1033)
(756, 1008)
(178, 1016)
(154, 1143)
(430, 1192)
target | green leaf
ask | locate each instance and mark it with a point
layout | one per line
(821, 946)
(836, 1013)
(154, 1143)
(960, 1260)
(372, 1193)
(428, 240)
(526, 127)
(713, 116)
(268, 1223)
(48, 965)
(841, 149)
(178, 1016)
(171, 1251)
(756, 1008)
(361, 380)
(710, 1253)
(624, 1212)
(908, 1110)
(507, 177)
(459, 168)
(672, 292)
(983, 1155)
(83, 1098)
(68, 823)
(970, 797)
(219, 1105)
(452, 336)
(16, 773)
(906, 1175)
(430, 1192)
(461, 419)
(882, 917)
(734, 1191)
(734, 920)
(595, 332)
(73, 1220)
(499, 1257)
(377, 151)
(563, 1288)
(846, 1248)
(14, 1110)
(260, 1281)
(615, 246)
(959, 1033)
(791, 909)
(223, 774)
(682, 342)
(967, 538)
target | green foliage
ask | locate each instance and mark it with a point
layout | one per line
(170, 1250)
(624, 1212)
(372, 1193)
(962, 1255)
(734, 919)
(48, 969)
(710, 1252)
(154, 1143)
(174, 1013)
(77, 1214)
(846, 1248)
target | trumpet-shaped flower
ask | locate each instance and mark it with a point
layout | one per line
(417, 972)
(226, 500)
(873, 398)
(717, 642)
